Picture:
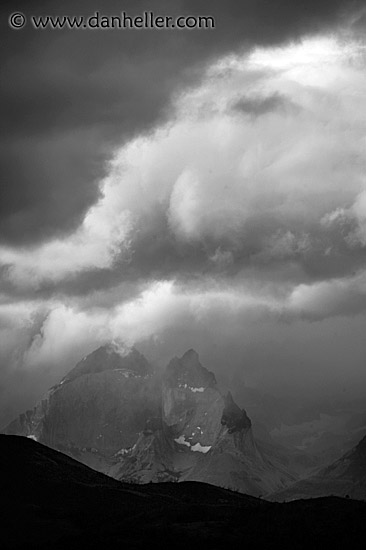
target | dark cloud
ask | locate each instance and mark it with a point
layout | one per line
(68, 96)
(313, 254)
(47, 181)
(258, 106)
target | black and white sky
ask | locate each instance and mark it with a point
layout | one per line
(185, 188)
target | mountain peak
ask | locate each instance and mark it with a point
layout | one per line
(113, 417)
(190, 355)
(110, 357)
(233, 416)
(187, 370)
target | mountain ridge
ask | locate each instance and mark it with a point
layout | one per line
(346, 477)
(115, 413)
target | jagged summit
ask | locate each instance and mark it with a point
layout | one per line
(233, 417)
(98, 408)
(116, 414)
(110, 357)
(187, 371)
(190, 356)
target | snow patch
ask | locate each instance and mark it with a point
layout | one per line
(32, 437)
(128, 373)
(123, 452)
(182, 441)
(194, 390)
(200, 448)
(197, 447)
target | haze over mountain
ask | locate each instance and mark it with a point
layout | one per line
(345, 477)
(116, 414)
(97, 409)
(171, 190)
(195, 188)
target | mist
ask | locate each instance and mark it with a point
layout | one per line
(222, 208)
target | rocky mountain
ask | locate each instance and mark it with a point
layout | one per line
(114, 413)
(345, 477)
(202, 435)
(98, 408)
(49, 500)
(308, 433)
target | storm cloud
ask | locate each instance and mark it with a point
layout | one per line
(175, 189)
(71, 96)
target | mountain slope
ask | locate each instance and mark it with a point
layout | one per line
(113, 413)
(345, 477)
(97, 409)
(202, 436)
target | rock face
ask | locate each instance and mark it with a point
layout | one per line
(192, 406)
(98, 409)
(346, 477)
(115, 414)
(202, 435)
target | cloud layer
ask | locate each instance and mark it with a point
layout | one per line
(71, 96)
(232, 220)
(225, 189)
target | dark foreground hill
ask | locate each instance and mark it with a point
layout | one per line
(50, 500)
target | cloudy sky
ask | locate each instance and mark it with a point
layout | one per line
(186, 188)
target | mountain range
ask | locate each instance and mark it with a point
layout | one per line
(344, 477)
(117, 414)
